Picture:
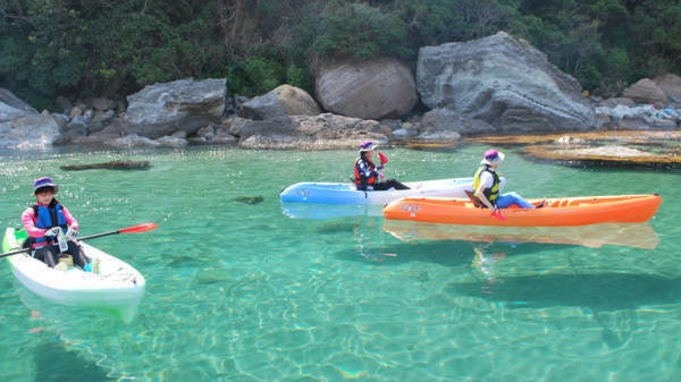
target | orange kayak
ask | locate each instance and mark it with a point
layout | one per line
(572, 211)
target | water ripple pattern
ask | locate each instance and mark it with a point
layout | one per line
(241, 291)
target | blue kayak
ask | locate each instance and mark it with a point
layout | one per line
(347, 193)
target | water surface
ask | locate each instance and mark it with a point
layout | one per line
(244, 292)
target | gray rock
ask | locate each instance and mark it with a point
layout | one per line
(646, 91)
(32, 130)
(171, 141)
(503, 81)
(77, 127)
(376, 89)
(670, 84)
(133, 140)
(638, 117)
(180, 134)
(406, 132)
(440, 136)
(61, 119)
(442, 120)
(281, 126)
(103, 104)
(100, 120)
(282, 101)
(323, 131)
(613, 102)
(161, 109)
(213, 134)
(223, 140)
(12, 106)
(103, 137)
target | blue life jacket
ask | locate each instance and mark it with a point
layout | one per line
(48, 217)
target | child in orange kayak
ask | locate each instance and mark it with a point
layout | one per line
(487, 185)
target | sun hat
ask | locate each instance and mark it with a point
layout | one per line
(492, 157)
(44, 182)
(367, 146)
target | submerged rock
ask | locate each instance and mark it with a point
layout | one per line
(250, 199)
(113, 165)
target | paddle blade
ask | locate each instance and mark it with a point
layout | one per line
(144, 227)
(382, 158)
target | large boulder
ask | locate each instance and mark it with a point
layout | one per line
(32, 130)
(646, 91)
(375, 89)
(21, 126)
(12, 106)
(182, 105)
(503, 81)
(670, 84)
(282, 101)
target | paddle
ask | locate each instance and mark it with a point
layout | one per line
(384, 160)
(144, 227)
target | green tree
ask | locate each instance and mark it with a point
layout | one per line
(99, 47)
(338, 29)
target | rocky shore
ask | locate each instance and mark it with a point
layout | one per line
(497, 89)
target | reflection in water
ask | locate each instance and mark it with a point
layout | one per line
(68, 350)
(329, 211)
(55, 363)
(636, 235)
(485, 261)
(363, 230)
(125, 314)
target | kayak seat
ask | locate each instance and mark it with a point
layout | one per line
(474, 199)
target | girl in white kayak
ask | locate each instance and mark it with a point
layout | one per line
(46, 221)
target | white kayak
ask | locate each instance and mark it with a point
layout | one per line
(347, 193)
(116, 285)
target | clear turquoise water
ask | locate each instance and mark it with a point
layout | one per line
(243, 292)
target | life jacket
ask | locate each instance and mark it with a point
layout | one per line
(358, 177)
(48, 217)
(491, 193)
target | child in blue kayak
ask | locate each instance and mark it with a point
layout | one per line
(46, 221)
(366, 173)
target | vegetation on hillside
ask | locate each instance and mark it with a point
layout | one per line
(81, 48)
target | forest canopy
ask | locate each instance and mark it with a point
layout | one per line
(82, 48)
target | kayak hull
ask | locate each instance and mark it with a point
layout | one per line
(346, 193)
(571, 211)
(117, 286)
